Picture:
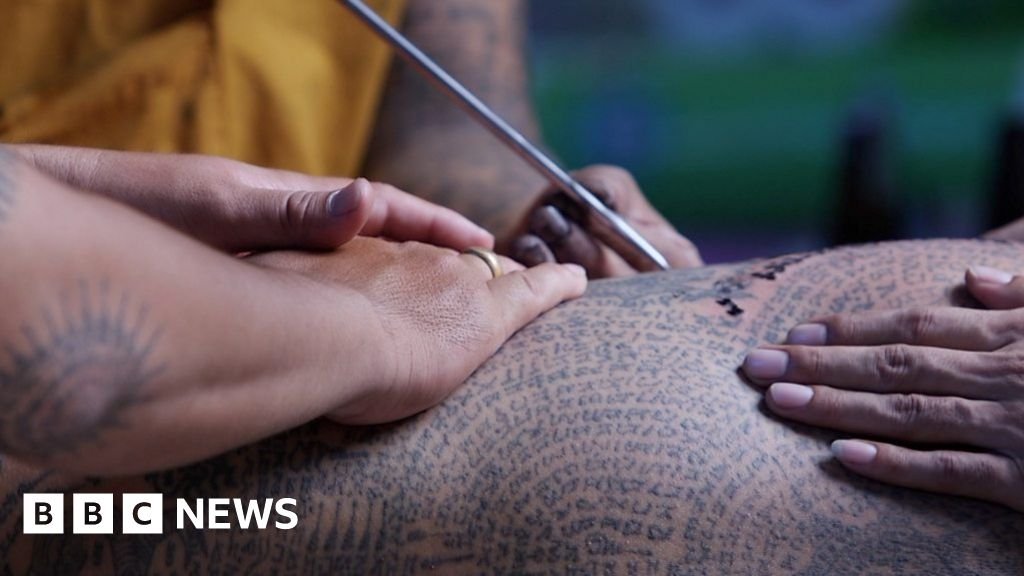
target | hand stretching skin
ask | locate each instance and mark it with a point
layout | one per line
(240, 208)
(555, 229)
(945, 384)
(126, 346)
(440, 312)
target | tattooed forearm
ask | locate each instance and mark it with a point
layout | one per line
(611, 436)
(480, 44)
(425, 144)
(7, 167)
(72, 373)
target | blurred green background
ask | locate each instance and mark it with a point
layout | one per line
(731, 113)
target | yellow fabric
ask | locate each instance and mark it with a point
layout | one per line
(285, 83)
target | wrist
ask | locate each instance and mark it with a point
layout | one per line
(336, 348)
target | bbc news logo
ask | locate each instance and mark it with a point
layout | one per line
(144, 514)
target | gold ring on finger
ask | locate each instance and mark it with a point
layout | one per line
(489, 258)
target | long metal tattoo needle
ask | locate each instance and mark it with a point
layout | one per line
(602, 221)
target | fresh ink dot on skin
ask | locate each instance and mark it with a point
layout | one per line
(731, 308)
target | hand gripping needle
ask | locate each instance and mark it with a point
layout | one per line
(602, 221)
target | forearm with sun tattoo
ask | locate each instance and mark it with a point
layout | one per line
(75, 371)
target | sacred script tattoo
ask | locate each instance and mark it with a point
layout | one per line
(479, 43)
(73, 372)
(7, 167)
(427, 145)
(611, 436)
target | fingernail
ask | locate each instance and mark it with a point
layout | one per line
(345, 200)
(991, 275)
(530, 251)
(787, 395)
(854, 451)
(808, 335)
(766, 364)
(548, 223)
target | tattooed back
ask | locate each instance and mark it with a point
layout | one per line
(612, 436)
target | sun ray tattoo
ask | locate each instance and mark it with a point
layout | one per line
(75, 370)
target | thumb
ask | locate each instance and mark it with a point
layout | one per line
(996, 289)
(277, 219)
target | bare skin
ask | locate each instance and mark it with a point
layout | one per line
(614, 435)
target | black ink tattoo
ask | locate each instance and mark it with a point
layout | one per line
(771, 269)
(611, 436)
(730, 307)
(426, 145)
(75, 371)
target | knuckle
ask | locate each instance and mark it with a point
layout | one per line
(1007, 327)
(918, 324)
(1010, 369)
(219, 193)
(960, 412)
(906, 409)
(894, 362)
(529, 286)
(222, 198)
(956, 470)
(809, 361)
(956, 417)
(827, 407)
(951, 469)
(296, 210)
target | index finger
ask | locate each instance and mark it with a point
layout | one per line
(564, 237)
(954, 328)
(974, 475)
(404, 217)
